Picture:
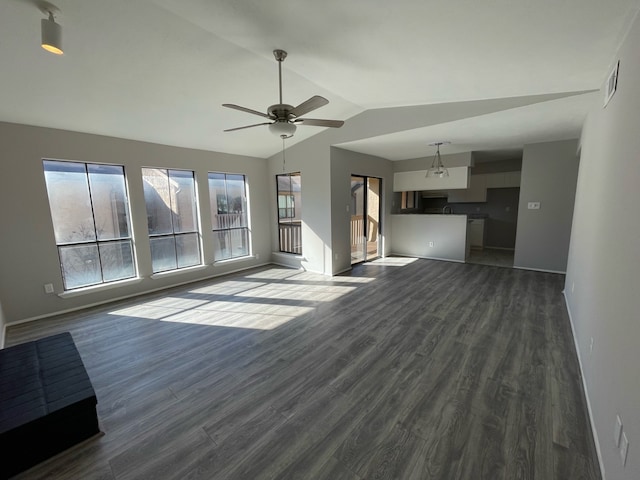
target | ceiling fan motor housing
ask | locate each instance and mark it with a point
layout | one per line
(280, 111)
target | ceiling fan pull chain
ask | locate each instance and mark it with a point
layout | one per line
(283, 159)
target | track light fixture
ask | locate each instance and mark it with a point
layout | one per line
(51, 31)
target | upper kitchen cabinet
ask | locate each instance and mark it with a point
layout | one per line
(503, 180)
(477, 191)
(417, 180)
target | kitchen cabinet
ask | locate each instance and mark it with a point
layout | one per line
(475, 232)
(418, 181)
(478, 184)
(477, 191)
(512, 179)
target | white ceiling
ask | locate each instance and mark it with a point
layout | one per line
(159, 70)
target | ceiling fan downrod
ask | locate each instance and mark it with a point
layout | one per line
(280, 56)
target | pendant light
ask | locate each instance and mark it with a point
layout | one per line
(51, 31)
(437, 169)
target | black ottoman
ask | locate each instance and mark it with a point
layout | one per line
(47, 402)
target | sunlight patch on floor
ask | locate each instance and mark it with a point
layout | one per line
(229, 287)
(392, 261)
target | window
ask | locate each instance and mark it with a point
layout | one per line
(289, 191)
(172, 218)
(228, 199)
(90, 214)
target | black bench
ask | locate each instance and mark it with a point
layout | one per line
(47, 402)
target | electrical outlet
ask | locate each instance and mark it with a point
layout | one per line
(624, 448)
(533, 205)
(335, 256)
(431, 244)
(617, 430)
(257, 256)
(48, 288)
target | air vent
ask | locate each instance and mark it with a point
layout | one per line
(612, 83)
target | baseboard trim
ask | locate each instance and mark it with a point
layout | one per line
(124, 297)
(584, 386)
(540, 270)
(428, 258)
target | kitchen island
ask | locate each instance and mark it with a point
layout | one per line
(439, 237)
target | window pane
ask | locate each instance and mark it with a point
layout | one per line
(158, 200)
(80, 265)
(109, 198)
(239, 242)
(222, 245)
(217, 200)
(237, 200)
(117, 260)
(188, 250)
(69, 201)
(183, 201)
(163, 253)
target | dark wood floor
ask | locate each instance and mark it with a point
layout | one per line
(401, 369)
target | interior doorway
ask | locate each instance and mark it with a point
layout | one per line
(365, 218)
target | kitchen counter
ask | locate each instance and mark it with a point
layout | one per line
(436, 236)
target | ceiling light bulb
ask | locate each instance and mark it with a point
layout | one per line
(282, 127)
(51, 35)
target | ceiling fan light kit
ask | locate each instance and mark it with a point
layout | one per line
(437, 169)
(285, 118)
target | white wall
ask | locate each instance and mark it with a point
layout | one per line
(549, 175)
(311, 159)
(412, 234)
(602, 284)
(344, 163)
(28, 253)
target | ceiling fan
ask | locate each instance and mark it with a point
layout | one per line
(285, 118)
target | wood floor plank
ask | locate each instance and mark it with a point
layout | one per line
(400, 368)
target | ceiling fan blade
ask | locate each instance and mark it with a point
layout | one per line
(307, 106)
(245, 109)
(316, 122)
(247, 126)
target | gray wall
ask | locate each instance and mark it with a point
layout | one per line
(501, 209)
(602, 286)
(344, 163)
(29, 258)
(497, 166)
(549, 175)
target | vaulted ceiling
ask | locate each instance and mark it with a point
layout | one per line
(159, 70)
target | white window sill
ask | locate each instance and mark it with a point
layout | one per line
(179, 271)
(220, 263)
(99, 288)
(295, 256)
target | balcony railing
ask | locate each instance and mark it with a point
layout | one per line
(290, 237)
(224, 221)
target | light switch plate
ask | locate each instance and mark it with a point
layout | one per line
(533, 205)
(617, 431)
(624, 448)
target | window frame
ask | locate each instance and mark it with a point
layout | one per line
(183, 233)
(245, 212)
(128, 239)
(288, 228)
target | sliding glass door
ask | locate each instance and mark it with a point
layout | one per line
(365, 218)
